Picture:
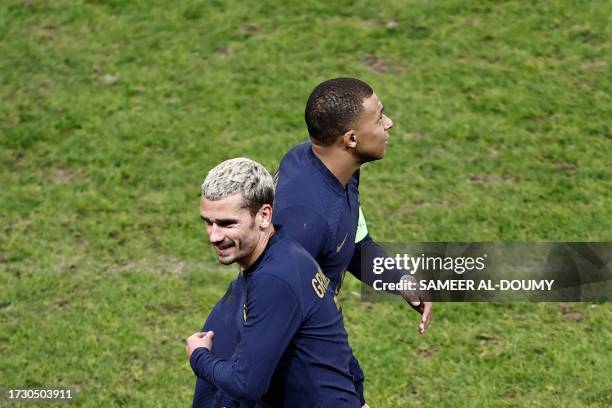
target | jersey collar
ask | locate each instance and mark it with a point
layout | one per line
(278, 234)
(328, 176)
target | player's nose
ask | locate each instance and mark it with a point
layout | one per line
(215, 235)
(388, 123)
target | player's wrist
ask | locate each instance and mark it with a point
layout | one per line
(198, 349)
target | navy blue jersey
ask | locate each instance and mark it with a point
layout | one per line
(317, 211)
(293, 350)
(322, 215)
(226, 320)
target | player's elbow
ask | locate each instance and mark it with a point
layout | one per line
(250, 390)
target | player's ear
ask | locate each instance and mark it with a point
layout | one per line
(264, 216)
(349, 139)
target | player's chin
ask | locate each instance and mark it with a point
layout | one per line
(380, 154)
(226, 259)
(371, 156)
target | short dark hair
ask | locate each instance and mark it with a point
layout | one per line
(333, 106)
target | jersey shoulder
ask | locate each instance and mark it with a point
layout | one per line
(298, 182)
(286, 260)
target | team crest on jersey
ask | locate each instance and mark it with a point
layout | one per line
(320, 282)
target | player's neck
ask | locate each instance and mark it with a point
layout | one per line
(338, 161)
(264, 238)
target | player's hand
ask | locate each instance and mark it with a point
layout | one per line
(424, 308)
(365, 406)
(415, 298)
(200, 339)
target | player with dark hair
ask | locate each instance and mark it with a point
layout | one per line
(333, 107)
(317, 192)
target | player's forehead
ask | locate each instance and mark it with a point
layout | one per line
(224, 208)
(372, 105)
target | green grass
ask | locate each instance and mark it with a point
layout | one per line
(112, 111)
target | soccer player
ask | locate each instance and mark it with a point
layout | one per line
(292, 349)
(317, 192)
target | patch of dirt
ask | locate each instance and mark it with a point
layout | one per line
(486, 336)
(569, 169)
(109, 79)
(425, 352)
(379, 65)
(392, 24)
(61, 175)
(248, 27)
(83, 382)
(570, 313)
(370, 23)
(375, 64)
(486, 340)
(59, 301)
(595, 65)
(102, 77)
(227, 51)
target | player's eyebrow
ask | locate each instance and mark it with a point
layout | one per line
(221, 221)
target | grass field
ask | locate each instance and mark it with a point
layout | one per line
(112, 111)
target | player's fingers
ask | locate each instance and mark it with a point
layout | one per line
(210, 334)
(426, 317)
(193, 336)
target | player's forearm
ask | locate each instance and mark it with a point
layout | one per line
(361, 266)
(358, 377)
(225, 375)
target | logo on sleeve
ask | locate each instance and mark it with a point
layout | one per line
(320, 283)
(244, 311)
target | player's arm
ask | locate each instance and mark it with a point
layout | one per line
(311, 231)
(273, 316)
(205, 392)
(365, 252)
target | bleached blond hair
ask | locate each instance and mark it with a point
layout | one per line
(240, 175)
